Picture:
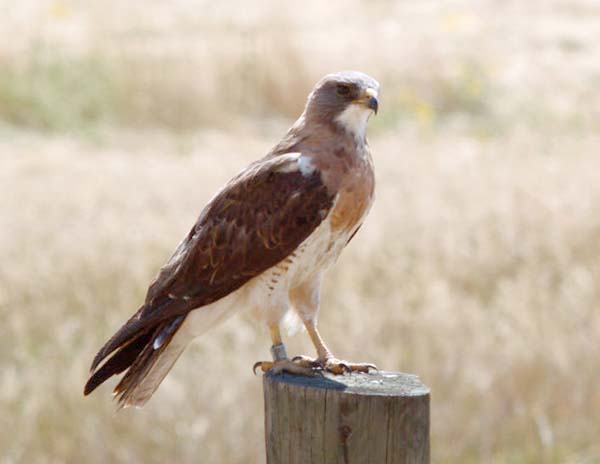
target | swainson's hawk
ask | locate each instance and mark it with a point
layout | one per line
(262, 243)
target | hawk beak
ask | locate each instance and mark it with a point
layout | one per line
(370, 100)
(373, 104)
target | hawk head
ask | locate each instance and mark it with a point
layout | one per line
(346, 99)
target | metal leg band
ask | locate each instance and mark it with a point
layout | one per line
(278, 352)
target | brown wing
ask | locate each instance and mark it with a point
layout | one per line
(256, 221)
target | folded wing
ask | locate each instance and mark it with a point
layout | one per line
(257, 220)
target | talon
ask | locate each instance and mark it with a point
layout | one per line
(371, 366)
(337, 367)
(364, 367)
(265, 366)
(345, 367)
(283, 365)
(256, 364)
(305, 361)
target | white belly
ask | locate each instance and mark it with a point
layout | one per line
(268, 294)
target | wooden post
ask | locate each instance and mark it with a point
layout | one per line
(350, 419)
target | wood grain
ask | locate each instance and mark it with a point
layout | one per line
(350, 419)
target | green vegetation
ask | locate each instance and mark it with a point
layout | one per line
(56, 92)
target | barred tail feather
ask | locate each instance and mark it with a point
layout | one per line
(120, 361)
(131, 330)
(147, 372)
(147, 357)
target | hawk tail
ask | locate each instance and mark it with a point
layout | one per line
(147, 358)
(141, 323)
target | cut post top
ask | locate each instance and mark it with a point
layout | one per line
(381, 383)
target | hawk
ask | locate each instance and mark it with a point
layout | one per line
(263, 242)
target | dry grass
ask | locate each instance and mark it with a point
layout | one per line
(478, 268)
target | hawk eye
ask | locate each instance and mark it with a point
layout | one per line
(342, 90)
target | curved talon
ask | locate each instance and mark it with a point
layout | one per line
(338, 367)
(371, 366)
(281, 366)
(256, 364)
(305, 361)
(265, 366)
(346, 368)
(365, 367)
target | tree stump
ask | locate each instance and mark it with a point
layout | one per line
(350, 419)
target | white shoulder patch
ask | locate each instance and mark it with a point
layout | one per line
(289, 167)
(306, 165)
(298, 162)
(290, 163)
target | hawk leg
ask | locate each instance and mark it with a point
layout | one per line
(325, 359)
(281, 363)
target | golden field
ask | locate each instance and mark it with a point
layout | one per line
(478, 268)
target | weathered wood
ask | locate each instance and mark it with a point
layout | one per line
(351, 419)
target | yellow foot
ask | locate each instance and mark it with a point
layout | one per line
(333, 365)
(284, 365)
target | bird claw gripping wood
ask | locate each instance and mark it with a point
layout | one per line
(281, 363)
(335, 366)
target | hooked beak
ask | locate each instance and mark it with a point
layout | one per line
(369, 99)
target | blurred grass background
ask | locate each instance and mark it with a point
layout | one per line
(478, 268)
